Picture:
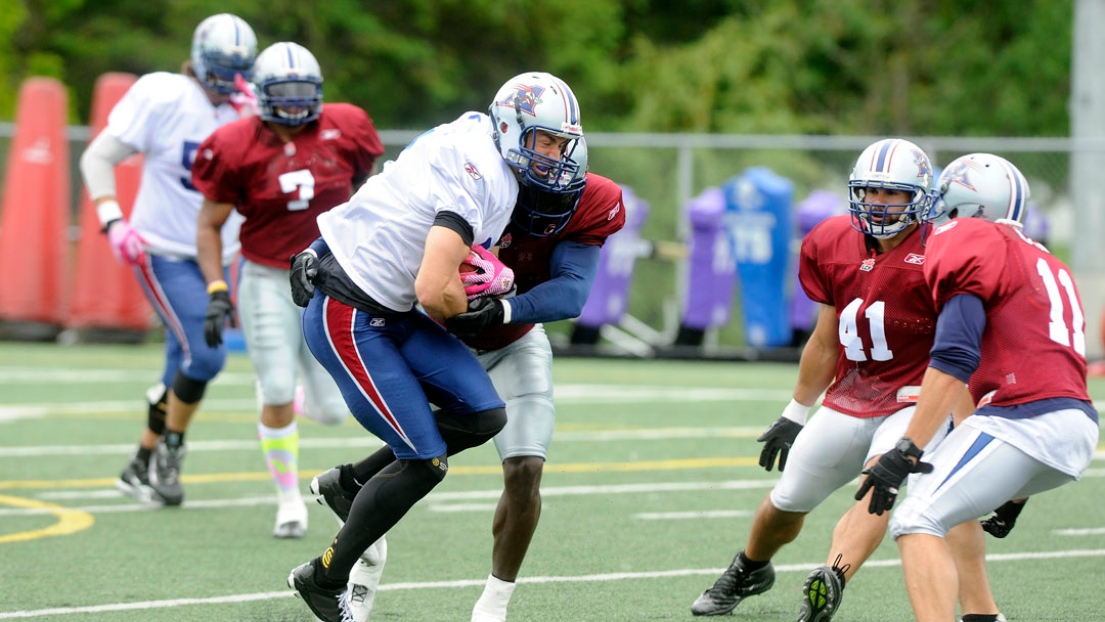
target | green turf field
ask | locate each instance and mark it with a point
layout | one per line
(649, 491)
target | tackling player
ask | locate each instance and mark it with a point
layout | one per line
(1000, 295)
(400, 241)
(166, 116)
(280, 170)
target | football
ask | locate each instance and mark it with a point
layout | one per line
(465, 268)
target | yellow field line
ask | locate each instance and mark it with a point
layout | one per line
(69, 521)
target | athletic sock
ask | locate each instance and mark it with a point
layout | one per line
(143, 455)
(495, 598)
(281, 449)
(980, 617)
(750, 565)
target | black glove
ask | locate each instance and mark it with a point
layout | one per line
(219, 311)
(304, 271)
(482, 313)
(887, 476)
(1001, 523)
(777, 440)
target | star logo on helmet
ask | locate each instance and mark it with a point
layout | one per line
(524, 99)
(957, 174)
(924, 167)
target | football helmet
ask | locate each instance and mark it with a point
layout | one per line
(525, 104)
(893, 164)
(981, 185)
(288, 81)
(223, 46)
(542, 213)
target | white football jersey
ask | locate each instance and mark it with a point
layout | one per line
(379, 235)
(166, 116)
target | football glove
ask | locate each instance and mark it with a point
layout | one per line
(1005, 517)
(126, 243)
(777, 441)
(490, 277)
(304, 271)
(885, 477)
(219, 311)
(482, 313)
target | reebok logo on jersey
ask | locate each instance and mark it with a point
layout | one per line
(332, 134)
(614, 212)
(471, 170)
(867, 265)
(505, 241)
(377, 322)
(915, 259)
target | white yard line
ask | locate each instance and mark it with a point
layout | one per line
(465, 583)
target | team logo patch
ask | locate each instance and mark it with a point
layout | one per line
(327, 557)
(471, 170)
(377, 322)
(524, 99)
(614, 212)
(948, 226)
(505, 242)
(915, 259)
(358, 592)
(332, 134)
(867, 265)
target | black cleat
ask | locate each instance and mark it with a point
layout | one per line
(135, 481)
(326, 487)
(329, 605)
(822, 593)
(166, 473)
(732, 587)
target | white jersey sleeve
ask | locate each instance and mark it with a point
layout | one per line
(378, 236)
(166, 116)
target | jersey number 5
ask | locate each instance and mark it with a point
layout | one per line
(1057, 326)
(302, 183)
(848, 330)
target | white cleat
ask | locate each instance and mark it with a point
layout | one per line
(291, 519)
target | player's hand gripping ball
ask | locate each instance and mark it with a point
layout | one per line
(484, 275)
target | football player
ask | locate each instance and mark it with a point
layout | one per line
(868, 349)
(166, 116)
(400, 241)
(999, 295)
(280, 169)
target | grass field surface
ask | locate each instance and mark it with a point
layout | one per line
(649, 490)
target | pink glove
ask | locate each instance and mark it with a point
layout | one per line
(126, 243)
(245, 100)
(484, 275)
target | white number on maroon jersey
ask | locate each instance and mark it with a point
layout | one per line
(1057, 326)
(302, 183)
(848, 329)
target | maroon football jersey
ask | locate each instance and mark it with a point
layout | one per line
(280, 188)
(599, 215)
(1034, 345)
(886, 315)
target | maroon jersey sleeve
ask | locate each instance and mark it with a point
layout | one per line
(600, 213)
(216, 173)
(360, 137)
(965, 256)
(818, 245)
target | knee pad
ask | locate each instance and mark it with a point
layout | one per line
(158, 398)
(462, 432)
(187, 390)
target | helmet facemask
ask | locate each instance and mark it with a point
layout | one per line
(223, 46)
(889, 164)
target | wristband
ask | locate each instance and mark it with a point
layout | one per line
(108, 212)
(506, 311)
(216, 286)
(796, 412)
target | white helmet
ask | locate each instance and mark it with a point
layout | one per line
(537, 101)
(981, 185)
(222, 47)
(893, 164)
(289, 84)
(542, 213)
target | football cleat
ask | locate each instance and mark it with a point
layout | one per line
(165, 479)
(291, 519)
(822, 593)
(135, 481)
(733, 586)
(364, 580)
(329, 605)
(326, 487)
